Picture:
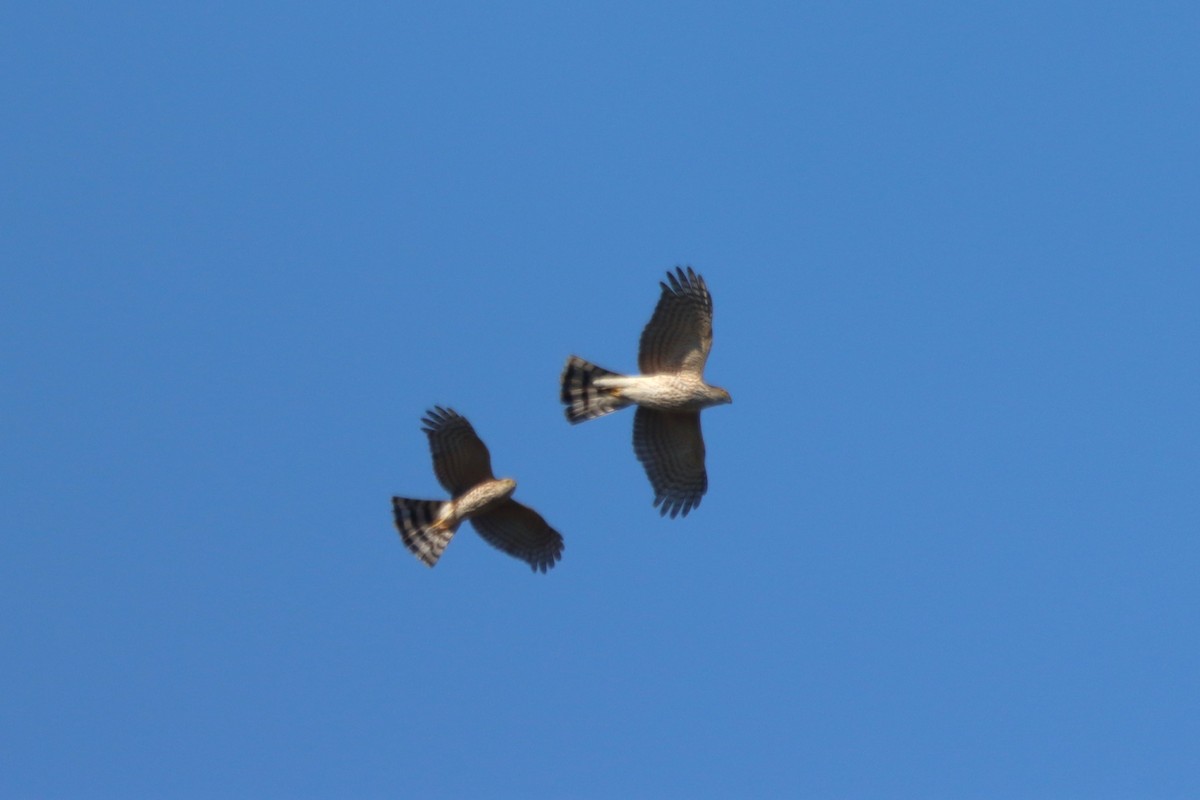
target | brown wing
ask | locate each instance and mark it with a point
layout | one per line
(679, 335)
(521, 532)
(460, 458)
(671, 449)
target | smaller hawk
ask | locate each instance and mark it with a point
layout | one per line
(669, 393)
(464, 467)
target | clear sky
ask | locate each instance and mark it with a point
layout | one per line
(952, 537)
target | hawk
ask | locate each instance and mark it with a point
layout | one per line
(669, 393)
(464, 467)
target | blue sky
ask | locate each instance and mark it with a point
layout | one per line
(950, 544)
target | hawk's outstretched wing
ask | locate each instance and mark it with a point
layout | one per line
(671, 448)
(679, 335)
(460, 458)
(520, 531)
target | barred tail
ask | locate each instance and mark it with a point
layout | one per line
(584, 400)
(420, 527)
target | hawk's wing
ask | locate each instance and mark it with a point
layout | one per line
(521, 532)
(679, 335)
(671, 449)
(460, 458)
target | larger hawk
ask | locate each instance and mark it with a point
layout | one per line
(669, 393)
(464, 467)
